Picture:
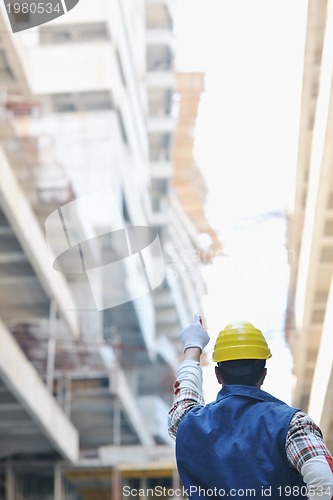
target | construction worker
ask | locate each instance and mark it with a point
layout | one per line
(247, 442)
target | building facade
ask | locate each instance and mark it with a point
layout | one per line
(310, 231)
(92, 292)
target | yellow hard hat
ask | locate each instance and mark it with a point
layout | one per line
(240, 340)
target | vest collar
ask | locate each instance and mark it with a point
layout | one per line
(245, 390)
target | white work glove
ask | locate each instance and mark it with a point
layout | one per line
(194, 336)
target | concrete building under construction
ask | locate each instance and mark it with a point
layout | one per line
(94, 284)
(310, 231)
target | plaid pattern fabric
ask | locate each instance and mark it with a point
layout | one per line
(304, 437)
(185, 399)
(304, 441)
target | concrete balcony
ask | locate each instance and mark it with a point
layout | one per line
(160, 37)
(161, 170)
(86, 67)
(30, 241)
(161, 124)
(161, 79)
(30, 419)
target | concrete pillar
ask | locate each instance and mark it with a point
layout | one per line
(10, 482)
(58, 482)
(116, 493)
(116, 423)
(144, 486)
(51, 348)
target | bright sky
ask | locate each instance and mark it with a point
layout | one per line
(246, 144)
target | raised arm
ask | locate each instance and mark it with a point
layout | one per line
(188, 384)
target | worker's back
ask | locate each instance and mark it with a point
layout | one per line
(237, 445)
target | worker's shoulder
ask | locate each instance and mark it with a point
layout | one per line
(302, 419)
(199, 410)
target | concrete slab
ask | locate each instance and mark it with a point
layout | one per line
(29, 390)
(30, 236)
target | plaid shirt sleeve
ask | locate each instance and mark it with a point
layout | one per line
(187, 394)
(304, 441)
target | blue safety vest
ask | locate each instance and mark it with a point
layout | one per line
(235, 447)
